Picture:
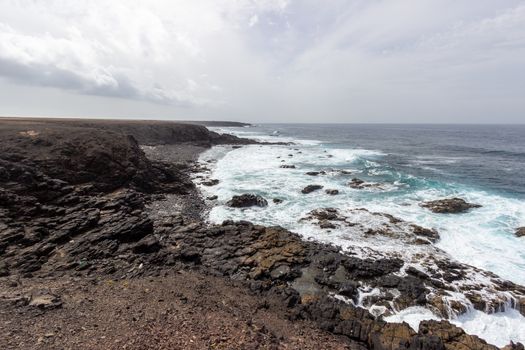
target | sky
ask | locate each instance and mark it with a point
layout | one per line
(346, 61)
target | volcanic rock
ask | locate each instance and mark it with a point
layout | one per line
(311, 188)
(247, 200)
(210, 182)
(449, 206)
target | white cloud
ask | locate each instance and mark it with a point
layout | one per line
(275, 60)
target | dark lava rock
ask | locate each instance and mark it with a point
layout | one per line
(360, 184)
(286, 166)
(355, 183)
(449, 206)
(326, 224)
(332, 192)
(277, 200)
(212, 198)
(325, 214)
(210, 182)
(311, 188)
(431, 234)
(520, 232)
(315, 173)
(247, 200)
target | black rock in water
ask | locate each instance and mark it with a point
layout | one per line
(311, 188)
(449, 206)
(247, 200)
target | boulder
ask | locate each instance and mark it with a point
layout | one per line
(210, 182)
(311, 188)
(287, 166)
(332, 192)
(247, 200)
(520, 232)
(356, 183)
(449, 206)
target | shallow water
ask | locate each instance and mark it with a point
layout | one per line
(412, 164)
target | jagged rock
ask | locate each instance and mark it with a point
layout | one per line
(431, 234)
(287, 166)
(332, 192)
(311, 188)
(514, 346)
(325, 214)
(277, 200)
(520, 232)
(247, 200)
(315, 173)
(452, 336)
(212, 198)
(449, 206)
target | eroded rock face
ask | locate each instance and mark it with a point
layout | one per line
(311, 188)
(449, 206)
(247, 200)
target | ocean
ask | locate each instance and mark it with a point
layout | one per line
(410, 164)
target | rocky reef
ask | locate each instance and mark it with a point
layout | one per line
(84, 200)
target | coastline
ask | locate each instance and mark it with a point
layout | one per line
(133, 236)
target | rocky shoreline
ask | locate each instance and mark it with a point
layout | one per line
(82, 203)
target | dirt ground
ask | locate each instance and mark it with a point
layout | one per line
(183, 310)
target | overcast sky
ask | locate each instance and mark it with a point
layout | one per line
(265, 61)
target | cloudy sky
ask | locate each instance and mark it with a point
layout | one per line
(265, 60)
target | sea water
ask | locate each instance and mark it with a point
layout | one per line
(412, 163)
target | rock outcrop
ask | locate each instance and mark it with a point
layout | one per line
(247, 200)
(311, 188)
(449, 206)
